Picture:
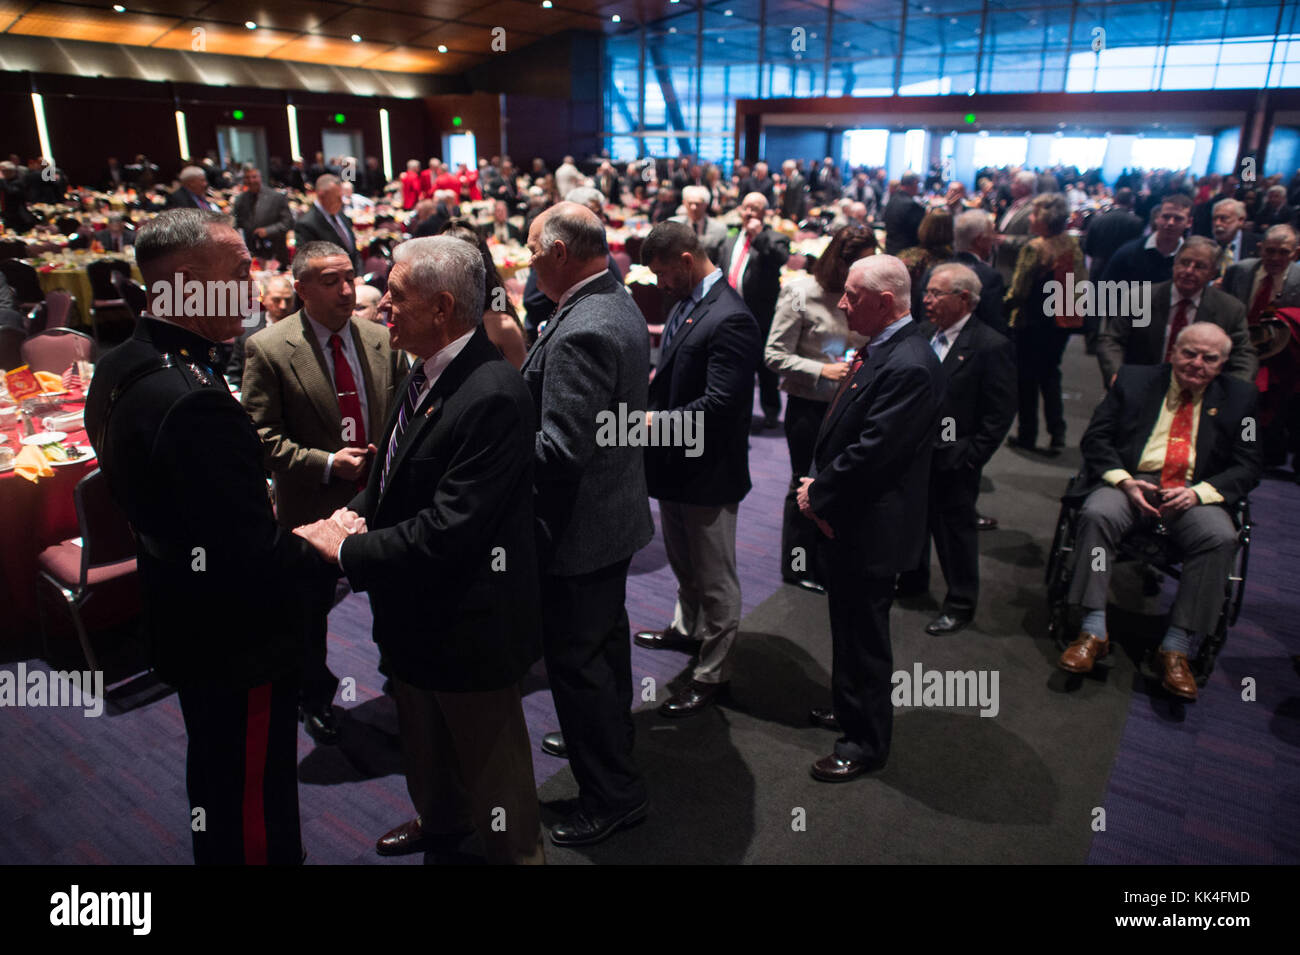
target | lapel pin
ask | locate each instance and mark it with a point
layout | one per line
(1211, 411)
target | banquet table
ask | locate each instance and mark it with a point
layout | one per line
(33, 517)
(74, 279)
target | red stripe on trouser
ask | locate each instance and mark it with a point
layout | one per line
(256, 740)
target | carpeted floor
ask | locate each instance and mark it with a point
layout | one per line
(1215, 781)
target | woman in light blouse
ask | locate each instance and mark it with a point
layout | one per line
(807, 347)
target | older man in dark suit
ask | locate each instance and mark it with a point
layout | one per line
(980, 371)
(867, 493)
(1013, 223)
(1132, 339)
(701, 399)
(752, 261)
(591, 362)
(1171, 443)
(972, 244)
(903, 214)
(264, 217)
(318, 386)
(325, 221)
(192, 193)
(444, 544)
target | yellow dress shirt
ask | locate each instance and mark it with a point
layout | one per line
(1152, 460)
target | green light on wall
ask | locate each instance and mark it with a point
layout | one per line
(238, 114)
(339, 118)
(456, 121)
(970, 118)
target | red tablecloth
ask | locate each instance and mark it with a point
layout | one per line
(32, 517)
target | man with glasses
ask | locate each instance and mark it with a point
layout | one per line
(1171, 443)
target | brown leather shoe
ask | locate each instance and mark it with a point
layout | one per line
(1083, 653)
(410, 837)
(1178, 675)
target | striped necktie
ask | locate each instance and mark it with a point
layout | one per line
(675, 322)
(418, 378)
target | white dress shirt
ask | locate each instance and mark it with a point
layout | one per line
(946, 338)
(572, 289)
(323, 335)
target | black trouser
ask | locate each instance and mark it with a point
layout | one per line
(803, 419)
(769, 382)
(586, 643)
(956, 539)
(242, 770)
(1039, 349)
(862, 658)
(319, 684)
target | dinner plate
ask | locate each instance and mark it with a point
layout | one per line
(81, 460)
(45, 437)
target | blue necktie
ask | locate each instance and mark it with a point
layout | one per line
(940, 340)
(408, 408)
(675, 322)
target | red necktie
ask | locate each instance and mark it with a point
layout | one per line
(1176, 326)
(858, 359)
(1178, 450)
(349, 400)
(1262, 299)
(734, 278)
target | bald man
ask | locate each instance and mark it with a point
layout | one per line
(367, 307)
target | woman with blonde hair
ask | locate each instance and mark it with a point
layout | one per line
(1041, 336)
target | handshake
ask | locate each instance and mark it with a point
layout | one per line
(327, 534)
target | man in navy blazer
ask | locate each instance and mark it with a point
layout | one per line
(867, 493)
(697, 459)
(326, 222)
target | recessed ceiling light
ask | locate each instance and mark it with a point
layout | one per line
(726, 13)
(118, 8)
(616, 18)
(250, 24)
(356, 38)
(672, 29)
(546, 4)
(442, 48)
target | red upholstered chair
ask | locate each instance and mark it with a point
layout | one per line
(622, 260)
(56, 349)
(95, 580)
(106, 299)
(57, 310)
(135, 297)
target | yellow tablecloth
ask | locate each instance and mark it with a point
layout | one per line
(76, 281)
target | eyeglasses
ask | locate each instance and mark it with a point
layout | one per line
(935, 293)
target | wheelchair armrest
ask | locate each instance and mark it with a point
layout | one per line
(1077, 490)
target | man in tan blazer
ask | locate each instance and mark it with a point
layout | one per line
(319, 386)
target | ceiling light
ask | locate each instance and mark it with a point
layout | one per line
(546, 4)
(672, 29)
(356, 38)
(118, 8)
(442, 48)
(726, 13)
(250, 24)
(616, 18)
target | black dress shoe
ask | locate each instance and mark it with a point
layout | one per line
(947, 623)
(584, 830)
(666, 639)
(553, 745)
(836, 769)
(985, 523)
(824, 717)
(691, 700)
(320, 724)
(410, 837)
(1057, 444)
(811, 585)
(1020, 444)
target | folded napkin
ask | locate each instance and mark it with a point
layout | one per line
(50, 381)
(32, 464)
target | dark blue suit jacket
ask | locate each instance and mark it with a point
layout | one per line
(708, 367)
(871, 465)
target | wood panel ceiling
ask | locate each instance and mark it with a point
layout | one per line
(405, 36)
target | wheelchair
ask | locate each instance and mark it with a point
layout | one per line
(1156, 552)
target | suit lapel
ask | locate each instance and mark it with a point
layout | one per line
(1205, 427)
(959, 351)
(553, 322)
(875, 358)
(1152, 402)
(308, 363)
(372, 369)
(690, 321)
(1161, 297)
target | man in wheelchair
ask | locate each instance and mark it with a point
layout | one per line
(1172, 448)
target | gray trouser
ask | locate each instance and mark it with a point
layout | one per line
(701, 545)
(1203, 534)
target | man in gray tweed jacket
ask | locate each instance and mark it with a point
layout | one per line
(590, 361)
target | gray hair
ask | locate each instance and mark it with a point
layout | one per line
(1236, 205)
(441, 263)
(1206, 328)
(1194, 243)
(584, 238)
(1026, 178)
(695, 194)
(885, 273)
(173, 231)
(1276, 190)
(964, 279)
(192, 172)
(1282, 231)
(306, 255)
(753, 195)
(585, 196)
(327, 180)
(969, 226)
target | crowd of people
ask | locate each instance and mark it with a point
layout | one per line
(409, 459)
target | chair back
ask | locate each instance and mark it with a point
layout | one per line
(11, 347)
(55, 349)
(106, 536)
(137, 300)
(101, 278)
(23, 280)
(58, 309)
(13, 249)
(67, 225)
(622, 260)
(632, 246)
(650, 299)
